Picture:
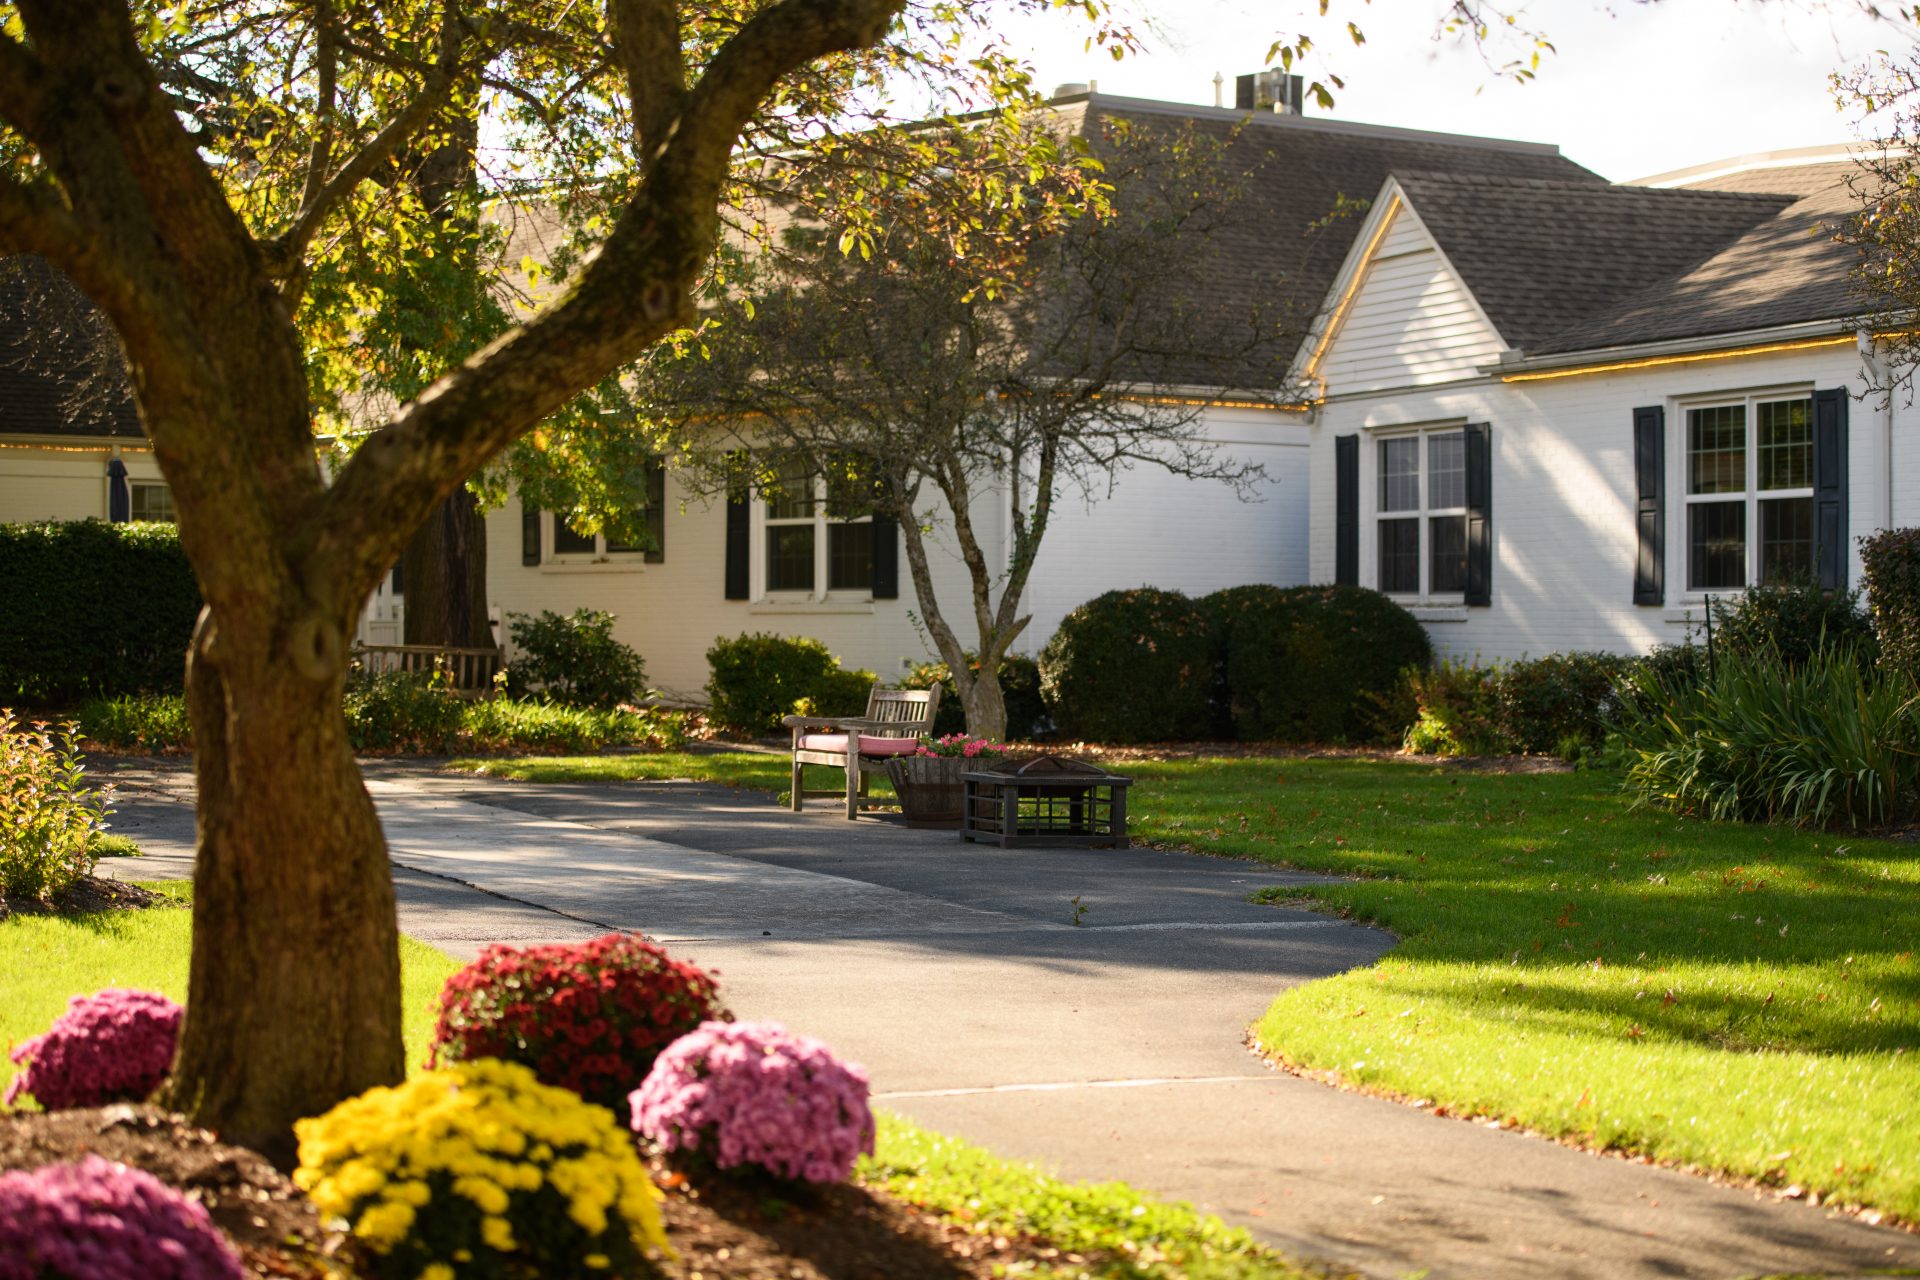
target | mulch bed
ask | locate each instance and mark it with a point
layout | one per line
(89, 897)
(724, 1228)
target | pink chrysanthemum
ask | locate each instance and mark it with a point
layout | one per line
(101, 1221)
(116, 1046)
(755, 1093)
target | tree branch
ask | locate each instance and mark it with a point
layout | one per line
(635, 291)
(25, 88)
(283, 253)
(647, 43)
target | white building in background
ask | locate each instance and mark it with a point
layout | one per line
(1560, 416)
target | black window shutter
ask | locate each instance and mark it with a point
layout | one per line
(1830, 487)
(886, 558)
(656, 512)
(119, 493)
(739, 535)
(1479, 513)
(1649, 504)
(529, 534)
(1346, 510)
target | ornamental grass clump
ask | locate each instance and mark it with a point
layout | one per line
(115, 1046)
(753, 1093)
(96, 1220)
(481, 1170)
(590, 1017)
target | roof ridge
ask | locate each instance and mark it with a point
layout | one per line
(1440, 177)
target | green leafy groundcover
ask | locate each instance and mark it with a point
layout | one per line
(1737, 997)
(1126, 1235)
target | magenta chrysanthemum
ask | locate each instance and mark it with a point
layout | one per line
(755, 1093)
(116, 1046)
(101, 1221)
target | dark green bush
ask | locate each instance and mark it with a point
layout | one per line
(1131, 666)
(1791, 623)
(92, 610)
(1316, 664)
(573, 659)
(403, 711)
(1558, 704)
(1892, 561)
(1828, 742)
(755, 679)
(1226, 609)
(1456, 710)
(1019, 687)
(137, 722)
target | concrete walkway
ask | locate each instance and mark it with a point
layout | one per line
(1111, 1049)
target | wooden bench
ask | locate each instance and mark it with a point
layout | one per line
(470, 671)
(894, 721)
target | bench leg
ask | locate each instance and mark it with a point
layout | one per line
(854, 788)
(794, 804)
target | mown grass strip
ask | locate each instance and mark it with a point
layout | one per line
(1741, 998)
(46, 960)
(1122, 1233)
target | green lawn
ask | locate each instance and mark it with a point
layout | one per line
(1738, 997)
(752, 769)
(45, 960)
(1125, 1235)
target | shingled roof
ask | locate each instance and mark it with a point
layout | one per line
(1299, 169)
(1543, 257)
(1568, 267)
(48, 383)
(1785, 270)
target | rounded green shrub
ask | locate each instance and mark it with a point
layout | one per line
(1316, 664)
(573, 659)
(1131, 666)
(755, 679)
(1792, 623)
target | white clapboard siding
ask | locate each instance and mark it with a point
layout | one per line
(1411, 322)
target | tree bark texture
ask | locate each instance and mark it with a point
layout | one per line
(444, 577)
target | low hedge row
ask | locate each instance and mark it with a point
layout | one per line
(93, 609)
(1298, 664)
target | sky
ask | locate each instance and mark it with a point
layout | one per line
(1634, 88)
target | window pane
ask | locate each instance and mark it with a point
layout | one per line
(1784, 438)
(795, 497)
(150, 502)
(568, 543)
(1716, 545)
(850, 557)
(1717, 449)
(790, 557)
(1400, 474)
(1447, 471)
(1786, 541)
(1400, 556)
(1448, 537)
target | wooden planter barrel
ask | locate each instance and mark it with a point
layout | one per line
(929, 788)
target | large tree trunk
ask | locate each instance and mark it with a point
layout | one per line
(444, 576)
(293, 1000)
(986, 705)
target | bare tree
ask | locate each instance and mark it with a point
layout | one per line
(1060, 352)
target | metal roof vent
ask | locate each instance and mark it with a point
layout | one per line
(1273, 90)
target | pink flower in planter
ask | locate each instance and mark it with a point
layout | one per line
(755, 1093)
(116, 1046)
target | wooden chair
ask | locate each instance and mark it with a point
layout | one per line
(894, 721)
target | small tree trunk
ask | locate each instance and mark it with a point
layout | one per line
(986, 706)
(293, 998)
(444, 569)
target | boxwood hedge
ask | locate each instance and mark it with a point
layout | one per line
(93, 610)
(1131, 666)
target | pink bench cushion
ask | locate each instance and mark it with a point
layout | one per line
(837, 742)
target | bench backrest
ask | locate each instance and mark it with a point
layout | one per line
(902, 713)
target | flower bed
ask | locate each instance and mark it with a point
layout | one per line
(116, 1046)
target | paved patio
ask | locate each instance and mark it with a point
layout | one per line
(1109, 1049)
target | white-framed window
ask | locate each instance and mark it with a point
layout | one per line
(560, 543)
(150, 500)
(1420, 526)
(1746, 464)
(816, 538)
